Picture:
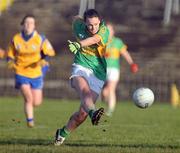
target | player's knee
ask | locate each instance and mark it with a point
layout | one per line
(37, 102)
(86, 94)
(28, 100)
(104, 92)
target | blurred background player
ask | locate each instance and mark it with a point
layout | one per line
(88, 71)
(26, 55)
(114, 50)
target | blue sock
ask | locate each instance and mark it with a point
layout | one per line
(29, 119)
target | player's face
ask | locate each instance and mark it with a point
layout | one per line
(93, 24)
(29, 25)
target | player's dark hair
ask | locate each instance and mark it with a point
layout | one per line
(90, 14)
(27, 16)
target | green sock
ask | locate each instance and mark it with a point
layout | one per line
(90, 113)
(64, 132)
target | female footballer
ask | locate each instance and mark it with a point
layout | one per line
(114, 51)
(88, 71)
(27, 53)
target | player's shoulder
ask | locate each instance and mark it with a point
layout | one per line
(17, 35)
(79, 27)
(78, 24)
(42, 37)
(103, 27)
(77, 21)
(117, 40)
(103, 30)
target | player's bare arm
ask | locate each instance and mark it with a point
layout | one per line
(127, 57)
(90, 41)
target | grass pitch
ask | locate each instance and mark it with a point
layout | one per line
(130, 130)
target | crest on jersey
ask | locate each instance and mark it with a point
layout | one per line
(33, 47)
(103, 30)
(81, 36)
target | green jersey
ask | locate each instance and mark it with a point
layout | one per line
(91, 56)
(114, 49)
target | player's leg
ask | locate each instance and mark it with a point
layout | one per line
(36, 89)
(88, 91)
(109, 91)
(75, 120)
(37, 97)
(105, 92)
(23, 84)
(88, 88)
(88, 98)
(28, 103)
(111, 98)
(82, 88)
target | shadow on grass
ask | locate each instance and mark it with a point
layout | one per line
(42, 142)
(26, 142)
(124, 145)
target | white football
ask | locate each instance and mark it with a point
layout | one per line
(143, 97)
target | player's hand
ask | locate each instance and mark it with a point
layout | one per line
(74, 46)
(134, 68)
(43, 63)
(11, 64)
(2, 53)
